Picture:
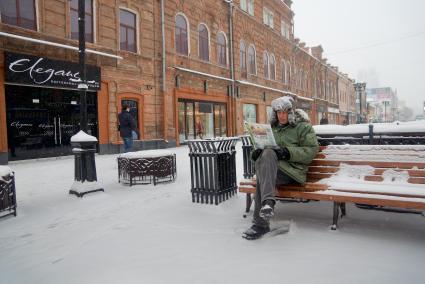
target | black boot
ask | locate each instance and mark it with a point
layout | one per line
(255, 232)
(267, 210)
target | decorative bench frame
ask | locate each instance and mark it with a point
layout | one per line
(145, 167)
(409, 159)
(7, 195)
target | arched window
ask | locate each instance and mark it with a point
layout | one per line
(181, 35)
(252, 65)
(203, 39)
(289, 72)
(266, 64)
(272, 67)
(242, 58)
(128, 31)
(283, 76)
(221, 49)
(19, 13)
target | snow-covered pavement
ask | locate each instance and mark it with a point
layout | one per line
(155, 234)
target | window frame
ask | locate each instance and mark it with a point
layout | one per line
(136, 29)
(249, 61)
(220, 47)
(243, 53)
(19, 18)
(268, 17)
(266, 65)
(187, 34)
(93, 21)
(207, 59)
(272, 71)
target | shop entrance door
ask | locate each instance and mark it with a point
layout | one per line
(41, 122)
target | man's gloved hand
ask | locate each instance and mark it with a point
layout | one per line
(256, 154)
(282, 153)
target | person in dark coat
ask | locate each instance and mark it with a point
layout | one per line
(324, 119)
(127, 125)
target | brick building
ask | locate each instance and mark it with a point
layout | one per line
(189, 69)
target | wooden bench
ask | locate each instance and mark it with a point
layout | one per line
(380, 176)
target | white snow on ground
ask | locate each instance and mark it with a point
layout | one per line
(155, 234)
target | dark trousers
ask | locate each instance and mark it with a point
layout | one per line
(268, 176)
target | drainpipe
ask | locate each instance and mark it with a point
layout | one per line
(164, 66)
(163, 48)
(232, 69)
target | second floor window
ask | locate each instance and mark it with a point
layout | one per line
(88, 19)
(272, 67)
(127, 31)
(242, 58)
(181, 36)
(251, 60)
(204, 52)
(19, 13)
(266, 64)
(221, 49)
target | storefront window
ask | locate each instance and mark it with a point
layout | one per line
(200, 120)
(41, 121)
(250, 113)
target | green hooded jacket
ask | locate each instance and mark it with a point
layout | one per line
(301, 141)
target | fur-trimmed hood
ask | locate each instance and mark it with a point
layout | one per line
(294, 117)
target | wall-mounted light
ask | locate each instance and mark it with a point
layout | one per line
(205, 86)
(177, 81)
(264, 96)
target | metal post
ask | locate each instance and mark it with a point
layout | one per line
(85, 177)
(82, 86)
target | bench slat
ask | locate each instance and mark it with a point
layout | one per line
(400, 165)
(353, 198)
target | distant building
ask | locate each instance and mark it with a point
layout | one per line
(385, 102)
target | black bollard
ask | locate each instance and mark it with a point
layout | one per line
(85, 177)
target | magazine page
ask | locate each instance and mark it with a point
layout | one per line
(261, 135)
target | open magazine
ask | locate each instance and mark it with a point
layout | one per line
(261, 135)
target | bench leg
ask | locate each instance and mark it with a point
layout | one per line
(248, 202)
(343, 209)
(336, 215)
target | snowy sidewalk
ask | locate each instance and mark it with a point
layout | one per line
(155, 234)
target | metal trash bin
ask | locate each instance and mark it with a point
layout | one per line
(248, 165)
(213, 169)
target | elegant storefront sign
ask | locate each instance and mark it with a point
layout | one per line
(38, 71)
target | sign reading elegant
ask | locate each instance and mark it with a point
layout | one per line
(40, 71)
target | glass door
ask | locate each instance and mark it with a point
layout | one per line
(41, 122)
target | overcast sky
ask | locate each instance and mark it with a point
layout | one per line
(381, 42)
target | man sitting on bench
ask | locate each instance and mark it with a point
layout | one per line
(286, 164)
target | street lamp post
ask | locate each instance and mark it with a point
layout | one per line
(84, 145)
